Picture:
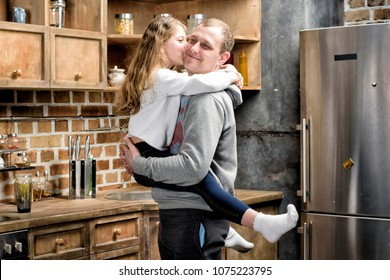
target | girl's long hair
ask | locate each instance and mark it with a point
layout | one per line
(148, 57)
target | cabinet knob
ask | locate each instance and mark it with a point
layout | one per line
(17, 73)
(117, 231)
(78, 76)
(60, 242)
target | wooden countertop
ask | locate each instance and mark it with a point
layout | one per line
(61, 210)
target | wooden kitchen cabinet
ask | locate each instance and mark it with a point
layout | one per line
(77, 59)
(40, 56)
(24, 56)
(110, 237)
(244, 17)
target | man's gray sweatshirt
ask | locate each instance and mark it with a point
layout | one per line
(209, 144)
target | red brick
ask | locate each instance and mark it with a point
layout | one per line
(381, 14)
(356, 15)
(7, 96)
(372, 3)
(62, 111)
(95, 97)
(61, 96)
(43, 96)
(44, 126)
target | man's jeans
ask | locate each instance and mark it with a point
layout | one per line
(181, 235)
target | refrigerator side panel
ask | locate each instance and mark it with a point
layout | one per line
(333, 237)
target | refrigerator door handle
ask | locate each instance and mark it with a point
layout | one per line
(302, 191)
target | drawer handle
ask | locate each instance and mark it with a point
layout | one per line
(117, 231)
(60, 242)
(78, 76)
(17, 73)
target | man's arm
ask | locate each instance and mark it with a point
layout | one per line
(202, 126)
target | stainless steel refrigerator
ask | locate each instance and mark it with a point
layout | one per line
(345, 142)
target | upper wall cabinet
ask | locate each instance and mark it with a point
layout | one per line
(36, 55)
(243, 16)
(24, 56)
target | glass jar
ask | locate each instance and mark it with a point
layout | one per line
(124, 24)
(23, 192)
(57, 13)
(22, 160)
(193, 21)
(3, 142)
(162, 15)
(13, 141)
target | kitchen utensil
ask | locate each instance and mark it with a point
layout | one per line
(78, 166)
(72, 169)
(88, 168)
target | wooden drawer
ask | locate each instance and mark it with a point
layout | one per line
(128, 253)
(24, 56)
(64, 241)
(116, 232)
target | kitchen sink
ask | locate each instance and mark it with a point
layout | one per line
(130, 195)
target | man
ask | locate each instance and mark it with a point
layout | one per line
(205, 137)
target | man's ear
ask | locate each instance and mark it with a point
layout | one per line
(224, 57)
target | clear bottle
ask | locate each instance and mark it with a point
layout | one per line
(57, 13)
(23, 192)
(243, 66)
(22, 160)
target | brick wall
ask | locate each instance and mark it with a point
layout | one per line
(47, 139)
(366, 11)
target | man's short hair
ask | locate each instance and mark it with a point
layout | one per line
(228, 38)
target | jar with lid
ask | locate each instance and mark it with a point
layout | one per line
(3, 142)
(124, 24)
(162, 15)
(193, 21)
(23, 192)
(57, 13)
(22, 160)
(116, 76)
(13, 142)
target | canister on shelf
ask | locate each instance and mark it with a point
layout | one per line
(22, 160)
(193, 21)
(3, 142)
(13, 142)
(57, 13)
(162, 15)
(243, 66)
(124, 24)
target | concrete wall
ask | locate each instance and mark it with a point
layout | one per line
(268, 143)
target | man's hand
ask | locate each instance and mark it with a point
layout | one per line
(128, 153)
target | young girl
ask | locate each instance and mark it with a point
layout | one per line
(151, 93)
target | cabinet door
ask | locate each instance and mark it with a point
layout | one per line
(116, 232)
(77, 59)
(24, 56)
(59, 242)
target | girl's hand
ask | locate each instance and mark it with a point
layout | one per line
(239, 81)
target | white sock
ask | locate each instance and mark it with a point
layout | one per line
(272, 227)
(235, 241)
